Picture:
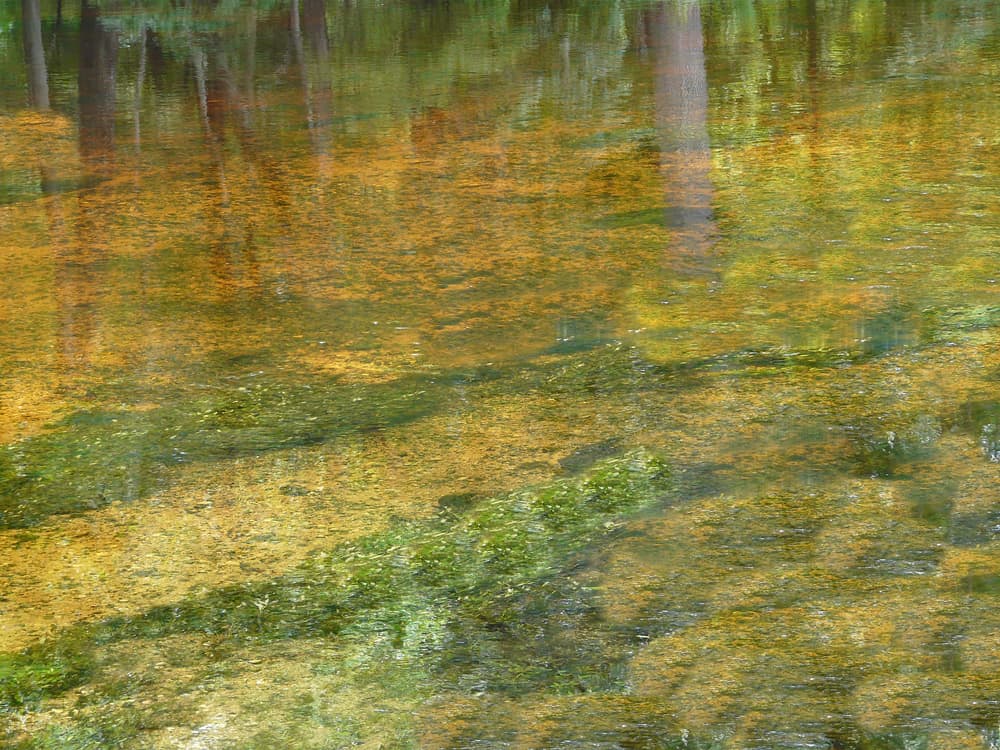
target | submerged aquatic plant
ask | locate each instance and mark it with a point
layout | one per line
(437, 594)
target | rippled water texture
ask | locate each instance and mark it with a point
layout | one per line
(499, 374)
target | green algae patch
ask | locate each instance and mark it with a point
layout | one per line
(441, 596)
(43, 670)
(94, 457)
(427, 571)
(97, 456)
(960, 323)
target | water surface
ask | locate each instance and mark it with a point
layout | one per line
(499, 374)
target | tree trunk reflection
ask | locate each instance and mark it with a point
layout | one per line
(681, 91)
(34, 55)
(79, 259)
(96, 81)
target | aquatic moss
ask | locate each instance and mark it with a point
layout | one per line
(44, 670)
(96, 456)
(93, 457)
(959, 323)
(425, 590)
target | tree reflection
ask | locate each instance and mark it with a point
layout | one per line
(96, 81)
(681, 100)
(316, 82)
(81, 252)
(231, 235)
(34, 53)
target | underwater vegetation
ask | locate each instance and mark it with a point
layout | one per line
(451, 596)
